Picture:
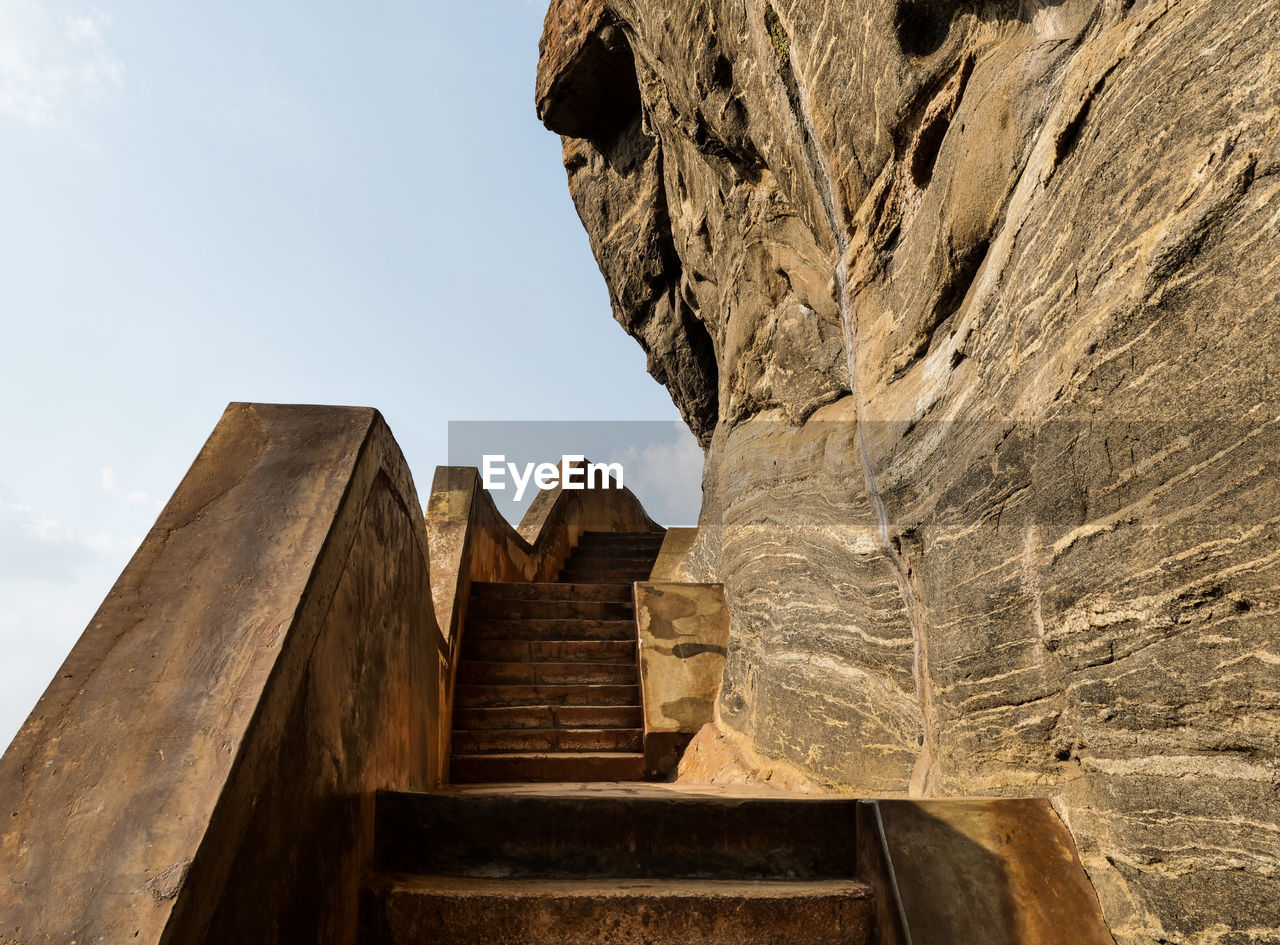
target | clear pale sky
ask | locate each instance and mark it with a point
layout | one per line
(286, 202)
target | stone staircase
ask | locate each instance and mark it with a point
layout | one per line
(548, 684)
(565, 845)
(548, 691)
(626, 864)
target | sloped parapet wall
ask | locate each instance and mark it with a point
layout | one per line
(977, 871)
(204, 764)
(676, 546)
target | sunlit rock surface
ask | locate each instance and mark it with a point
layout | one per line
(974, 306)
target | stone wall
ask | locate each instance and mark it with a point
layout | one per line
(683, 634)
(973, 306)
(203, 766)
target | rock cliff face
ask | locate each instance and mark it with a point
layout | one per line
(975, 307)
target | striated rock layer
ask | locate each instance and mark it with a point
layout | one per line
(973, 306)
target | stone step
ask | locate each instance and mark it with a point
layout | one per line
(484, 911)
(511, 590)
(547, 766)
(489, 609)
(621, 553)
(633, 830)
(480, 673)
(479, 697)
(635, 557)
(549, 716)
(550, 629)
(559, 651)
(582, 576)
(644, 539)
(488, 740)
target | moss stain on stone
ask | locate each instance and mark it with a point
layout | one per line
(777, 35)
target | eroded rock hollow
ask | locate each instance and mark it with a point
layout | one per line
(974, 308)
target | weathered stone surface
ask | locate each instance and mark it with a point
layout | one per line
(471, 911)
(203, 766)
(676, 546)
(974, 306)
(982, 871)
(684, 634)
(621, 863)
(617, 829)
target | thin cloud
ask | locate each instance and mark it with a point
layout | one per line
(40, 547)
(667, 476)
(53, 65)
(52, 579)
(50, 587)
(111, 484)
